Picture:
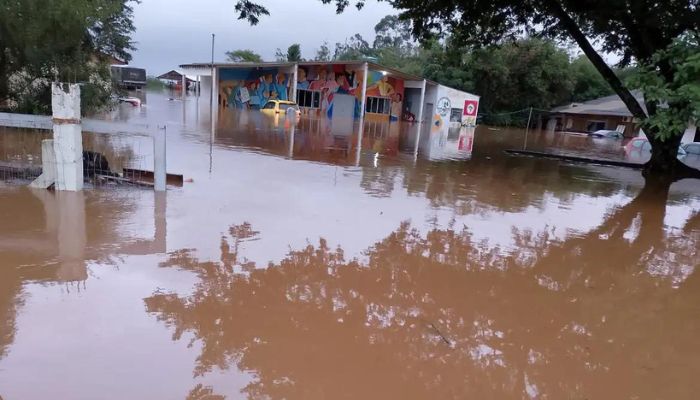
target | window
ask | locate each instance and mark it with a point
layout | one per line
(456, 115)
(693, 149)
(270, 105)
(308, 98)
(378, 105)
(593, 126)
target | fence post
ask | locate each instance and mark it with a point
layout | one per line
(67, 137)
(159, 167)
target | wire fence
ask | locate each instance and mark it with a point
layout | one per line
(109, 159)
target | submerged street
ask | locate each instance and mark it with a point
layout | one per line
(303, 261)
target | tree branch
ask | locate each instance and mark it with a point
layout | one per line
(573, 29)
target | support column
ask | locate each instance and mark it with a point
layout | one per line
(420, 120)
(215, 95)
(422, 104)
(67, 137)
(294, 83)
(184, 86)
(159, 160)
(363, 102)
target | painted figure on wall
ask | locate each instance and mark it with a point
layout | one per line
(320, 81)
(255, 95)
(280, 87)
(302, 79)
(396, 104)
(381, 88)
(268, 88)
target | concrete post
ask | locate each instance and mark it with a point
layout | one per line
(215, 95)
(363, 102)
(48, 166)
(422, 104)
(294, 83)
(184, 86)
(159, 166)
(420, 120)
(67, 137)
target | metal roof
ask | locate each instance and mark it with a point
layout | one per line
(608, 105)
(203, 67)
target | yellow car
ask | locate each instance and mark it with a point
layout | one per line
(280, 107)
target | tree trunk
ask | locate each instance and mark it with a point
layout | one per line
(664, 155)
(603, 68)
(664, 160)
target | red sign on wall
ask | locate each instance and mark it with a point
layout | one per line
(470, 107)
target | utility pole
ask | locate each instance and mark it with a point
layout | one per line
(527, 128)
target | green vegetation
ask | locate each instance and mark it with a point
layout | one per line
(514, 75)
(64, 40)
(293, 54)
(153, 83)
(676, 101)
(643, 31)
(243, 56)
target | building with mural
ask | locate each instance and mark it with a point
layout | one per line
(337, 91)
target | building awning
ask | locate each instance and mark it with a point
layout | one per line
(173, 75)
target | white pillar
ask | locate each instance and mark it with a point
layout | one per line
(361, 130)
(159, 166)
(48, 166)
(422, 104)
(294, 83)
(67, 135)
(420, 120)
(215, 95)
(365, 72)
(184, 86)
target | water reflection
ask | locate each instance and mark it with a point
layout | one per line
(53, 237)
(444, 316)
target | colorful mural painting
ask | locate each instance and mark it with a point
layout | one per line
(383, 86)
(317, 86)
(252, 87)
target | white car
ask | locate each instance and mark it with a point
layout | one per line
(692, 148)
(607, 134)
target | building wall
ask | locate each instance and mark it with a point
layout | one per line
(329, 80)
(261, 84)
(584, 123)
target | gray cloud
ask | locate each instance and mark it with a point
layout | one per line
(173, 32)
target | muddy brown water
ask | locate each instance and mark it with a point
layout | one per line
(294, 266)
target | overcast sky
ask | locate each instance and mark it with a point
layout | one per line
(173, 32)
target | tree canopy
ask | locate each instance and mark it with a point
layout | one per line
(67, 40)
(294, 53)
(638, 31)
(243, 56)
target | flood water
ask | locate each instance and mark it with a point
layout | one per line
(296, 264)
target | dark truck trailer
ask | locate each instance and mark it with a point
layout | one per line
(128, 77)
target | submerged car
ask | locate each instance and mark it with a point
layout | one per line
(692, 148)
(607, 134)
(280, 107)
(640, 148)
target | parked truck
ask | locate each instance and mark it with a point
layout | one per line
(129, 78)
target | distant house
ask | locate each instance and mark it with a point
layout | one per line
(603, 113)
(130, 78)
(607, 112)
(173, 79)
